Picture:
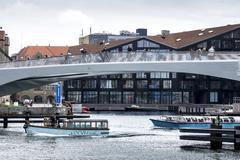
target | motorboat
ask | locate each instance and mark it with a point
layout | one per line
(177, 122)
(69, 127)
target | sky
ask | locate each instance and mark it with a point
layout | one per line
(60, 22)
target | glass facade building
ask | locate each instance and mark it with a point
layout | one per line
(160, 87)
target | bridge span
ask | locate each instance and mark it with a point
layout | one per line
(22, 75)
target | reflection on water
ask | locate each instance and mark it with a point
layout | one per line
(131, 137)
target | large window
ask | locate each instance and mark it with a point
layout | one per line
(128, 97)
(186, 84)
(142, 84)
(176, 97)
(154, 84)
(90, 97)
(104, 97)
(89, 84)
(154, 98)
(74, 84)
(167, 84)
(227, 44)
(140, 75)
(163, 75)
(75, 96)
(108, 84)
(166, 98)
(127, 83)
(115, 76)
(147, 44)
(141, 97)
(213, 97)
(115, 97)
(127, 75)
(185, 97)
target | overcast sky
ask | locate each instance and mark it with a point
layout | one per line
(59, 22)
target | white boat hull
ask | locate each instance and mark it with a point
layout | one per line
(35, 130)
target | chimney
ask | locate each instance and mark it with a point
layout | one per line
(165, 32)
(90, 30)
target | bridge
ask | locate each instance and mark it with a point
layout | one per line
(21, 75)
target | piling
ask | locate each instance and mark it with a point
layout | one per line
(213, 143)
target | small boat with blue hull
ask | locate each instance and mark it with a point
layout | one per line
(90, 127)
(177, 122)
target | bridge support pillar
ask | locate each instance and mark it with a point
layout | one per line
(5, 122)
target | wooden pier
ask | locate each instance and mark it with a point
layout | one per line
(216, 136)
(22, 118)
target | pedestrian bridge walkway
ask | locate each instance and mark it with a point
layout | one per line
(123, 57)
(22, 75)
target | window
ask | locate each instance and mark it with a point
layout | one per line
(90, 97)
(215, 43)
(174, 75)
(147, 44)
(154, 84)
(166, 98)
(155, 75)
(227, 44)
(125, 48)
(154, 98)
(128, 97)
(185, 97)
(75, 96)
(108, 84)
(90, 84)
(213, 97)
(236, 34)
(115, 97)
(141, 97)
(115, 76)
(127, 83)
(141, 75)
(127, 75)
(103, 76)
(186, 84)
(74, 84)
(103, 97)
(176, 97)
(167, 84)
(142, 84)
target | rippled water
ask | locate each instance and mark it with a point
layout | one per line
(131, 137)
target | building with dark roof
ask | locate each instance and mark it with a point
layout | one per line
(158, 88)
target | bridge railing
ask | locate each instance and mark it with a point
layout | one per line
(122, 57)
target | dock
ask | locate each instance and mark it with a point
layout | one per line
(22, 118)
(216, 136)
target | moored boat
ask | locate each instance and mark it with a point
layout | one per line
(83, 127)
(177, 122)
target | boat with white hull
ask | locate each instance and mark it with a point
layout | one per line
(84, 127)
(177, 122)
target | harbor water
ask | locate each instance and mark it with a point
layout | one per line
(132, 137)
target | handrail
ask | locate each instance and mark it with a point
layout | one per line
(122, 57)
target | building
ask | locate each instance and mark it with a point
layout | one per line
(4, 47)
(107, 37)
(44, 94)
(158, 88)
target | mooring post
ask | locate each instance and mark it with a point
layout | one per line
(237, 138)
(216, 144)
(5, 122)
